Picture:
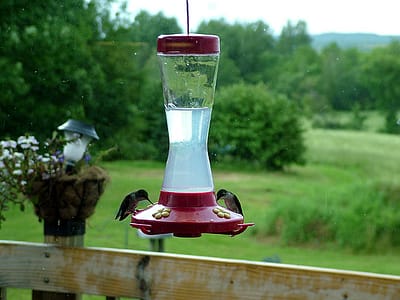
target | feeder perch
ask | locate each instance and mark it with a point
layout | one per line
(187, 205)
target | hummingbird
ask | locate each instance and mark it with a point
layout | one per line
(130, 202)
(231, 201)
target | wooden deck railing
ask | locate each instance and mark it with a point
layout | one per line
(150, 275)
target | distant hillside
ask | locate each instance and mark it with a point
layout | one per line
(362, 41)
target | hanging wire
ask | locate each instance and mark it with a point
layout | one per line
(187, 17)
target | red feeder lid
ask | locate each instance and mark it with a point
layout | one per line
(188, 44)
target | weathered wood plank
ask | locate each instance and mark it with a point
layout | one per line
(69, 241)
(150, 275)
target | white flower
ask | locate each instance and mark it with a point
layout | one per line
(6, 154)
(17, 172)
(19, 155)
(8, 144)
(32, 140)
(25, 146)
(45, 159)
(27, 140)
(22, 139)
(24, 182)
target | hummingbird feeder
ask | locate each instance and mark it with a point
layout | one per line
(187, 205)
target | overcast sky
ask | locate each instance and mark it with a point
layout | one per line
(321, 16)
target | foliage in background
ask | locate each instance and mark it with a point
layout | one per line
(247, 51)
(78, 60)
(341, 78)
(329, 120)
(144, 133)
(253, 125)
(369, 221)
(53, 76)
(382, 73)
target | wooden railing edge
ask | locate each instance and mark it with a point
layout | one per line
(150, 275)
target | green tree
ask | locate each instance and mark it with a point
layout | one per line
(45, 51)
(247, 50)
(341, 79)
(298, 78)
(131, 63)
(252, 124)
(146, 28)
(116, 95)
(293, 37)
(381, 75)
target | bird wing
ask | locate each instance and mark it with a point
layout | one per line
(238, 205)
(123, 211)
(232, 202)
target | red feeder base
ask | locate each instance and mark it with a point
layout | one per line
(188, 215)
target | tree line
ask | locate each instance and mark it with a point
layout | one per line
(76, 59)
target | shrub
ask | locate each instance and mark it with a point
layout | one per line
(252, 124)
(333, 120)
(359, 217)
(299, 222)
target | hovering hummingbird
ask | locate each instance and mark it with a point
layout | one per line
(130, 202)
(231, 201)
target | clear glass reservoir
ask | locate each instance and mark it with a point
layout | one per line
(188, 66)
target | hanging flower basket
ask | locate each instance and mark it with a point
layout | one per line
(69, 196)
(60, 192)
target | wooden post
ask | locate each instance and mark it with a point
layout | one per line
(68, 233)
(3, 293)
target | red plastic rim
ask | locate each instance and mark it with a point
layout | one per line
(187, 221)
(177, 199)
(188, 44)
(188, 215)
